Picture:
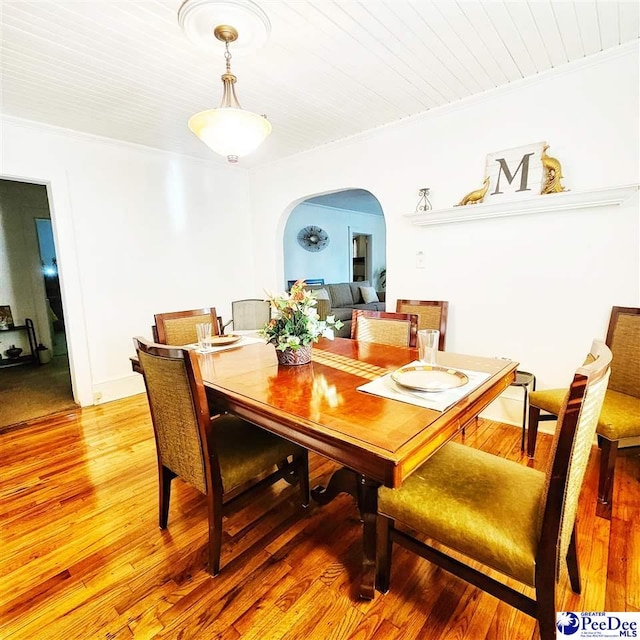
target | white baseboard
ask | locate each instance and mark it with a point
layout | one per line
(118, 388)
(508, 407)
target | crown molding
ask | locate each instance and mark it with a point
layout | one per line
(86, 137)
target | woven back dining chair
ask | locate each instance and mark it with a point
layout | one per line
(620, 416)
(219, 456)
(179, 327)
(382, 327)
(250, 314)
(505, 515)
(432, 314)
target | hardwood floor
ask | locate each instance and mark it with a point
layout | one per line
(82, 555)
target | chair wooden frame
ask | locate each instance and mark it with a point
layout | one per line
(543, 607)
(159, 330)
(217, 500)
(443, 305)
(410, 318)
(608, 448)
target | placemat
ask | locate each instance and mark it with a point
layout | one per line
(385, 387)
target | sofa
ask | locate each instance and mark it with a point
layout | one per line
(342, 298)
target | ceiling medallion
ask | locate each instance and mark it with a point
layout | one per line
(228, 130)
(313, 238)
(199, 18)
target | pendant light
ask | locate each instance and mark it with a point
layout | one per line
(228, 130)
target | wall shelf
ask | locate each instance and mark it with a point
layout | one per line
(565, 201)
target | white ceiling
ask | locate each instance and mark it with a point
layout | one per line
(331, 68)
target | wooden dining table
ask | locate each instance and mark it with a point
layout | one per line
(377, 440)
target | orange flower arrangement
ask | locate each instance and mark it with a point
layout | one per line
(295, 322)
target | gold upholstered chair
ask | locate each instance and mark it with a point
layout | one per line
(179, 327)
(620, 416)
(432, 314)
(397, 329)
(502, 514)
(219, 456)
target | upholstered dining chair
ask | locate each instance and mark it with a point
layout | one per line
(179, 327)
(218, 456)
(620, 416)
(502, 514)
(398, 329)
(249, 314)
(432, 314)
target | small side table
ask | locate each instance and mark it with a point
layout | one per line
(527, 381)
(27, 358)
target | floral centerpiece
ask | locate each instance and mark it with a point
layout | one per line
(295, 325)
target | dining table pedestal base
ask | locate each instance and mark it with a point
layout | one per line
(365, 491)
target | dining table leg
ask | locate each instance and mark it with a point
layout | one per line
(368, 503)
(365, 491)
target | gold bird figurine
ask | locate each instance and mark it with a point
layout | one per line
(475, 196)
(552, 173)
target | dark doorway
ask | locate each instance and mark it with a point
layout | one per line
(49, 262)
(360, 257)
(38, 386)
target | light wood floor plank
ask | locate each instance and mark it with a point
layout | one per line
(83, 557)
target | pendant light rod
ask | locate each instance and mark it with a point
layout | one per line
(227, 34)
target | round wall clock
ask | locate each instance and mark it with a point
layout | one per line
(313, 238)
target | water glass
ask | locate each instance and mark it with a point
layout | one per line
(428, 340)
(203, 329)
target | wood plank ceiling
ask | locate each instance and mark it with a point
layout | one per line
(331, 68)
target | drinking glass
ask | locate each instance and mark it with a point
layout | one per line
(203, 329)
(428, 340)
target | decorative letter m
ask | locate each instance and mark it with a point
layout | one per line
(523, 167)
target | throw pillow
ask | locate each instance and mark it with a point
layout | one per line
(369, 294)
(355, 290)
(321, 294)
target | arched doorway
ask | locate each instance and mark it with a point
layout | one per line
(353, 241)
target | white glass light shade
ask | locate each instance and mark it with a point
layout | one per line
(230, 132)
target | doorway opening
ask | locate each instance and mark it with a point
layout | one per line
(49, 262)
(31, 288)
(342, 216)
(361, 257)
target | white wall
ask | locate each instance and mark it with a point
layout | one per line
(140, 231)
(332, 263)
(137, 232)
(21, 280)
(534, 288)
